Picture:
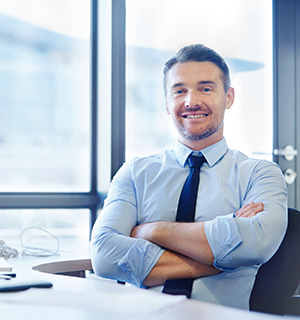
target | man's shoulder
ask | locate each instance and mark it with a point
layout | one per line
(150, 166)
(245, 162)
(152, 159)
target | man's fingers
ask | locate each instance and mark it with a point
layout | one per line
(250, 210)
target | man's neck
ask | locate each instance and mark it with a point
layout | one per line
(198, 145)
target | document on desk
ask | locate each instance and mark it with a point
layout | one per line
(131, 302)
(5, 266)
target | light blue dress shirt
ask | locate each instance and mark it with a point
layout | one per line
(147, 189)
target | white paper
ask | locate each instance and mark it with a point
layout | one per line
(5, 266)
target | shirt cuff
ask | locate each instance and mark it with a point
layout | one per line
(223, 237)
(140, 260)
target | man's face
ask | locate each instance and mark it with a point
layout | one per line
(196, 100)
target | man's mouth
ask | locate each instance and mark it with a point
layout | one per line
(194, 116)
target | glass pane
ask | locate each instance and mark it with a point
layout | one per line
(241, 31)
(45, 95)
(68, 226)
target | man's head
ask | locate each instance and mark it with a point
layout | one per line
(198, 53)
(197, 90)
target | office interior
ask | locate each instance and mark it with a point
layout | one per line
(81, 92)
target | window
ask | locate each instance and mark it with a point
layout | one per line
(241, 31)
(45, 96)
(47, 152)
(67, 225)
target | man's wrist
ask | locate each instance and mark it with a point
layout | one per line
(154, 230)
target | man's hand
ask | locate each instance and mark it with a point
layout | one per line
(250, 210)
(144, 231)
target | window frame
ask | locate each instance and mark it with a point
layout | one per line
(91, 200)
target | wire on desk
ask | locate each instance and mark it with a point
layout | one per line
(39, 252)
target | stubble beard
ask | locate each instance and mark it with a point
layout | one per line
(205, 133)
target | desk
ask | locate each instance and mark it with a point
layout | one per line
(80, 299)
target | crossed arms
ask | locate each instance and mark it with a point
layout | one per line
(152, 252)
(188, 253)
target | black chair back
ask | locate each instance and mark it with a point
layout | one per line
(278, 279)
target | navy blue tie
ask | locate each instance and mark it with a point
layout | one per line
(186, 213)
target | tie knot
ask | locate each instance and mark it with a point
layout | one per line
(195, 161)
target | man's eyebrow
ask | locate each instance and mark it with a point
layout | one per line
(179, 84)
(206, 82)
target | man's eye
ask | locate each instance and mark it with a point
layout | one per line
(178, 92)
(206, 90)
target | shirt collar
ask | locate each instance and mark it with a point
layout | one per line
(212, 153)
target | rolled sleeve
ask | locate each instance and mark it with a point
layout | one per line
(223, 237)
(115, 254)
(242, 241)
(139, 261)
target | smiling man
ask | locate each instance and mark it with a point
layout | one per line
(241, 211)
(197, 101)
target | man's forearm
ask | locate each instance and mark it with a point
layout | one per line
(175, 266)
(187, 239)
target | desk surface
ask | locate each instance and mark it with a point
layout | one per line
(78, 298)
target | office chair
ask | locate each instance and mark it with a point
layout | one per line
(278, 279)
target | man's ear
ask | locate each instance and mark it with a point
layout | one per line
(229, 97)
(167, 108)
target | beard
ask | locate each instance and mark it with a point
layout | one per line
(205, 133)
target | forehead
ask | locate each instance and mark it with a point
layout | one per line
(192, 72)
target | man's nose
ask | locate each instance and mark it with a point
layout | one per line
(192, 99)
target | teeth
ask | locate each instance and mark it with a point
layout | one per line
(196, 116)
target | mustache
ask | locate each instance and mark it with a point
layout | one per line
(197, 108)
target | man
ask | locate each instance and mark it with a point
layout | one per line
(241, 210)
